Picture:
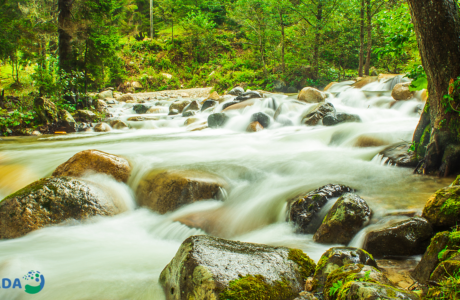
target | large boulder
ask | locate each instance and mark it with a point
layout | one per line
(165, 191)
(67, 121)
(348, 216)
(217, 120)
(409, 237)
(399, 155)
(209, 268)
(46, 111)
(337, 257)
(304, 208)
(311, 95)
(95, 161)
(315, 114)
(248, 95)
(442, 210)
(179, 105)
(236, 91)
(359, 290)
(86, 115)
(51, 201)
(401, 91)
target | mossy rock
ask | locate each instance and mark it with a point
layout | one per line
(67, 121)
(348, 216)
(46, 111)
(443, 208)
(304, 208)
(208, 268)
(357, 290)
(447, 269)
(336, 258)
(353, 272)
(51, 201)
(456, 181)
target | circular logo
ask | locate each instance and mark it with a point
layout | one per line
(35, 277)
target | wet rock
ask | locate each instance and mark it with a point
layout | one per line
(398, 154)
(236, 91)
(217, 120)
(46, 110)
(329, 86)
(111, 101)
(248, 95)
(105, 94)
(67, 121)
(306, 296)
(262, 118)
(330, 119)
(102, 127)
(179, 105)
(447, 269)
(254, 127)
(118, 124)
(51, 201)
(364, 141)
(292, 90)
(348, 216)
(136, 119)
(189, 113)
(353, 272)
(173, 112)
(210, 268)
(214, 96)
(136, 85)
(141, 108)
(208, 103)
(311, 95)
(127, 97)
(442, 209)
(370, 291)
(165, 191)
(83, 127)
(314, 115)
(401, 91)
(86, 116)
(409, 237)
(194, 105)
(95, 161)
(157, 110)
(337, 257)
(234, 105)
(190, 121)
(304, 208)
(363, 81)
(228, 104)
(279, 86)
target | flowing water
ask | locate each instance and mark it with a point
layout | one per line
(121, 257)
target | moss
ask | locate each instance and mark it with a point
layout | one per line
(424, 140)
(306, 264)
(321, 264)
(255, 287)
(452, 205)
(456, 181)
(365, 252)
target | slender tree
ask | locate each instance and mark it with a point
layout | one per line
(65, 34)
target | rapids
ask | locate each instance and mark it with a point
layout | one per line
(122, 257)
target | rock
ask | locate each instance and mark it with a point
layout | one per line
(157, 110)
(179, 105)
(208, 103)
(363, 81)
(370, 291)
(279, 86)
(348, 216)
(51, 201)
(189, 113)
(173, 112)
(292, 90)
(401, 91)
(228, 104)
(442, 209)
(306, 296)
(398, 154)
(254, 127)
(262, 118)
(136, 85)
(197, 127)
(194, 105)
(105, 94)
(166, 75)
(136, 119)
(46, 111)
(337, 257)
(67, 121)
(409, 237)
(165, 191)
(315, 114)
(126, 98)
(329, 86)
(209, 268)
(214, 96)
(36, 133)
(304, 208)
(353, 272)
(86, 116)
(141, 108)
(235, 105)
(217, 120)
(118, 124)
(111, 101)
(311, 95)
(330, 119)
(190, 121)
(236, 91)
(248, 95)
(446, 269)
(102, 127)
(95, 161)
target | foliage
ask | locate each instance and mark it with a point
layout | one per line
(336, 286)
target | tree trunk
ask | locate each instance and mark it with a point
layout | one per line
(319, 19)
(369, 37)
(283, 64)
(437, 25)
(361, 42)
(65, 35)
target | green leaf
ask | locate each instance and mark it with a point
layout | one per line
(419, 84)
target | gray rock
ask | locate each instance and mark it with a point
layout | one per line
(315, 114)
(179, 105)
(141, 108)
(67, 121)
(248, 95)
(262, 118)
(208, 103)
(189, 113)
(236, 91)
(86, 115)
(292, 90)
(398, 154)
(371, 291)
(173, 112)
(279, 86)
(105, 94)
(217, 120)
(229, 104)
(194, 105)
(102, 127)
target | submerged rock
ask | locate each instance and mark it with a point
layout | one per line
(141, 108)
(217, 120)
(401, 91)
(209, 268)
(315, 114)
(179, 105)
(157, 110)
(329, 86)
(193, 106)
(371, 291)
(304, 209)
(51, 201)
(262, 118)
(409, 237)
(236, 91)
(189, 113)
(228, 104)
(102, 127)
(398, 154)
(311, 95)
(248, 95)
(165, 191)
(208, 103)
(330, 119)
(254, 127)
(127, 97)
(118, 124)
(96, 161)
(348, 216)
(337, 257)
(442, 210)
(363, 81)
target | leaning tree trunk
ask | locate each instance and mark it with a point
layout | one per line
(65, 34)
(437, 25)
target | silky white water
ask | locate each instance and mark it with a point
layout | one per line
(121, 257)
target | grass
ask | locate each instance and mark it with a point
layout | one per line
(8, 84)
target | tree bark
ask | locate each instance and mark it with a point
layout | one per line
(361, 42)
(319, 19)
(437, 25)
(369, 37)
(65, 35)
(283, 64)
